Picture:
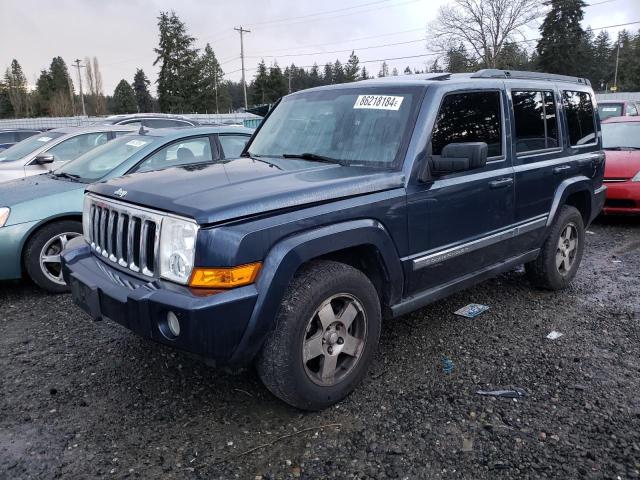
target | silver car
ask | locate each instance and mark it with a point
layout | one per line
(50, 150)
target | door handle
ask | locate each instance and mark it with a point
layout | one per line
(561, 169)
(501, 183)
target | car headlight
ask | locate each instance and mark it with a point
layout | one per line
(4, 215)
(177, 249)
(86, 218)
(636, 178)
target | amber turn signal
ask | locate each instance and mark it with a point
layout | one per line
(225, 277)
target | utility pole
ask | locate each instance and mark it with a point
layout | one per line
(244, 83)
(289, 80)
(615, 78)
(78, 66)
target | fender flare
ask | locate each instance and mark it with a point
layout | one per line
(286, 257)
(566, 188)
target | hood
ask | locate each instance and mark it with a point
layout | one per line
(242, 187)
(621, 163)
(37, 186)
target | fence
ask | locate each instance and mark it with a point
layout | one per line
(633, 96)
(58, 122)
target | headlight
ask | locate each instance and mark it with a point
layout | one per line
(86, 218)
(636, 178)
(177, 249)
(4, 215)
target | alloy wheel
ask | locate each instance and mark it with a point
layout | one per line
(50, 262)
(567, 248)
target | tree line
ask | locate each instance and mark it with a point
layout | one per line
(470, 35)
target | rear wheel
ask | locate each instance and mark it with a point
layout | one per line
(41, 256)
(561, 253)
(325, 335)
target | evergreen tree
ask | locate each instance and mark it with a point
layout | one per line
(384, 70)
(61, 102)
(435, 67)
(260, 85)
(352, 68)
(214, 93)
(407, 71)
(6, 109)
(364, 74)
(16, 87)
(277, 84)
(562, 33)
(43, 94)
(327, 76)
(124, 98)
(338, 72)
(178, 80)
(457, 60)
(512, 57)
(314, 76)
(144, 100)
(602, 73)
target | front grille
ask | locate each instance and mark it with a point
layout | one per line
(125, 235)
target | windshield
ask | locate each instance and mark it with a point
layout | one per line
(355, 126)
(97, 163)
(607, 110)
(30, 145)
(620, 135)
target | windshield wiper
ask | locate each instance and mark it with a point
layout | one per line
(315, 158)
(70, 176)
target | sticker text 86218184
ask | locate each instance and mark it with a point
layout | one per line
(378, 102)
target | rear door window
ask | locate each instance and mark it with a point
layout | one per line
(607, 110)
(581, 121)
(469, 117)
(631, 110)
(536, 126)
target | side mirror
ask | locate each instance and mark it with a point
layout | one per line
(457, 157)
(44, 159)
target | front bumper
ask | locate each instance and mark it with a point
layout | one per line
(12, 238)
(622, 198)
(211, 326)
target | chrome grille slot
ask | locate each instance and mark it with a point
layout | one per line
(125, 235)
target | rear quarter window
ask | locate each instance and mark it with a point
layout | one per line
(581, 121)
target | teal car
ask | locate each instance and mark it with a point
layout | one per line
(40, 214)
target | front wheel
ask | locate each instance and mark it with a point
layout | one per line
(325, 335)
(42, 254)
(561, 253)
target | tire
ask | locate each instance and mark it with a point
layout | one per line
(41, 256)
(545, 271)
(325, 304)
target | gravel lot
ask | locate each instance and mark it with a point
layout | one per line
(80, 399)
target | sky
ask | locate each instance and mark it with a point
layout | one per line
(123, 33)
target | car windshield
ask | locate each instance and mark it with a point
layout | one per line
(96, 164)
(30, 145)
(620, 135)
(352, 126)
(606, 110)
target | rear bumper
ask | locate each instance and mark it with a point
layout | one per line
(12, 239)
(211, 326)
(622, 198)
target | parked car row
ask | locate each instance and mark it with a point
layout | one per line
(40, 213)
(11, 136)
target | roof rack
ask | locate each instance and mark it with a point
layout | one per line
(551, 77)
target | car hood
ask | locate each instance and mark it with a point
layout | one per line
(243, 187)
(37, 186)
(622, 164)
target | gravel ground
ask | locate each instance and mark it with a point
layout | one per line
(80, 399)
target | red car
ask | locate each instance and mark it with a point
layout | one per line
(621, 142)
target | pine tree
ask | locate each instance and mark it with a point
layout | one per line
(277, 84)
(561, 47)
(327, 76)
(602, 73)
(407, 71)
(338, 72)
(6, 109)
(43, 94)
(61, 103)
(314, 76)
(144, 100)
(352, 68)
(511, 57)
(16, 87)
(124, 98)
(178, 80)
(214, 92)
(260, 85)
(384, 70)
(457, 60)
(364, 74)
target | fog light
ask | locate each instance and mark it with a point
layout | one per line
(173, 323)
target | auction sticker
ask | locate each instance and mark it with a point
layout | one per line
(609, 109)
(44, 139)
(136, 143)
(378, 102)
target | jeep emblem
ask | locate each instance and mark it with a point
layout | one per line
(120, 192)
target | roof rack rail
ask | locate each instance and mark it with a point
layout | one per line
(551, 77)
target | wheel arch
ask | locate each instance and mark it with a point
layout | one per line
(41, 224)
(367, 239)
(577, 192)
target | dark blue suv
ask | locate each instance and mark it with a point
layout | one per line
(351, 203)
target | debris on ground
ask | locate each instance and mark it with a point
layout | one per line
(515, 392)
(554, 335)
(447, 365)
(472, 310)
